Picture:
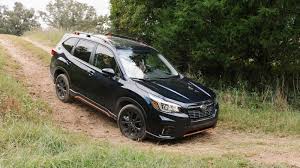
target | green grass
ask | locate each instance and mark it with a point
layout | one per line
(243, 111)
(47, 37)
(29, 138)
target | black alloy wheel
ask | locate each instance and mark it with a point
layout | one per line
(62, 88)
(132, 123)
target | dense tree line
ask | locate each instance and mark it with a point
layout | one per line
(18, 20)
(68, 15)
(73, 15)
(254, 41)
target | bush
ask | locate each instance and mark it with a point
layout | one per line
(253, 41)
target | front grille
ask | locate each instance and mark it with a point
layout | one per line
(203, 111)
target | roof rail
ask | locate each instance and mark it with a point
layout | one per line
(85, 33)
(90, 35)
(122, 36)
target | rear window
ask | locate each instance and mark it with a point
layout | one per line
(84, 50)
(69, 44)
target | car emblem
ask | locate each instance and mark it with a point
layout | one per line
(204, 107)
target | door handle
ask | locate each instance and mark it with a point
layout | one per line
(91, 73)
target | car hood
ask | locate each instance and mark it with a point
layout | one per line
(180, 89)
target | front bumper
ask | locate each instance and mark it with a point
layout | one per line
(177, 125)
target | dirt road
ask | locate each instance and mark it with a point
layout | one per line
(78, 117)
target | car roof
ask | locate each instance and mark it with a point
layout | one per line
(115, 41)
(122, 42)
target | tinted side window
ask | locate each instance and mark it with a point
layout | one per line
(104, 58)
(84, 50)
(70, 43)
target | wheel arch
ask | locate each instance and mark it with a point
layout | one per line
(58, 71)
(125, 100)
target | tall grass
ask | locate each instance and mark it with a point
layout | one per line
(28, 138)
(264, 112)
(48, 37)
(267, 112)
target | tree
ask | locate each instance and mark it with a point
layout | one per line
(254, 41)
(73, 15)
(3, 10)
(18, 20)
(136, 17)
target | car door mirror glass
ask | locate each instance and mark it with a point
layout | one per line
(109, 71)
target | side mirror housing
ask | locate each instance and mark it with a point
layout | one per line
(109, 72)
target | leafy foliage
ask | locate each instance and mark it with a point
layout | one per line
(18, 20)
(252, 41)
(73, 15)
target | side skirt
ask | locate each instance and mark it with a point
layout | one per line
(93, 104)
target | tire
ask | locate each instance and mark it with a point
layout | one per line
(131, 122)
(62, 87)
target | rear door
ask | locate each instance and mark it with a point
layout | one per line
(81, 71)
(65, 55)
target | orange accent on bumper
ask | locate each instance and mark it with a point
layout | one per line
(197, 132)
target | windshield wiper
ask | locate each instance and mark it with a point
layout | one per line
(144, 79)
(172, 76)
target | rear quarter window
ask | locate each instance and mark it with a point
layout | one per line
(70, 43)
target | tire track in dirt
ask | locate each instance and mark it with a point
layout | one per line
(78, 117)
(74, 116)
(38, 44)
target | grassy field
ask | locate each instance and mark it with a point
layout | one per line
(248, 112)
(240, 110)
(50, 38)
(29, 138)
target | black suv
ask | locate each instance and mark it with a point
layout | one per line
(132, 83)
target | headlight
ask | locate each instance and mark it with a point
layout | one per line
(164, 106)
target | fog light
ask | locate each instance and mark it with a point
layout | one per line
(168, 130)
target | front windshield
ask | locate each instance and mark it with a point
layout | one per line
(145, 64)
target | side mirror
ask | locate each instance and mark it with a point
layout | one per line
(109, 72)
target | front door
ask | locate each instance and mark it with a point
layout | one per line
(104, 88)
